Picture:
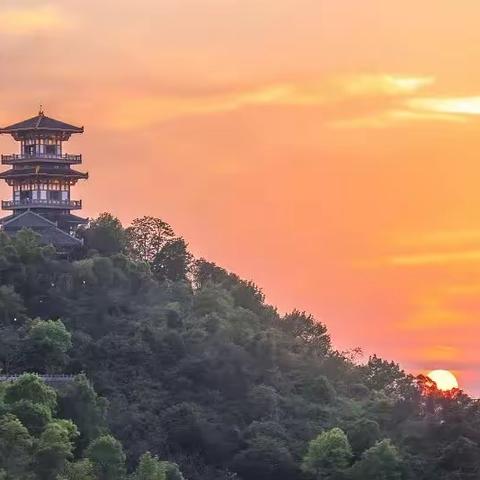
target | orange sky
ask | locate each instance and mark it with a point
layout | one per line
(326, 149)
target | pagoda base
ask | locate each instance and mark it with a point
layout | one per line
(49, 231)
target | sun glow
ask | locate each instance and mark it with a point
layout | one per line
(444, 379)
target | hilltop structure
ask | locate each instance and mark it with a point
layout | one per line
(41, 178)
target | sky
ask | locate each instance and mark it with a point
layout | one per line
(326, 149)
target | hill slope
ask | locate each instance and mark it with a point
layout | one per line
(197, 369)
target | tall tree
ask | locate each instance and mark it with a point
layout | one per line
(147, 236)
(105, 234)
(173, 262)
(307, 330)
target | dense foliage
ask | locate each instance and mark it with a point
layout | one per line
(179, 362)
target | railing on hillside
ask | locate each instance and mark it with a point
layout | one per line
(46, 378)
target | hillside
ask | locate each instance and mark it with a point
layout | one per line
(179, 358)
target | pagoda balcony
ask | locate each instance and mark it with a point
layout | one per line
(27, 203)
(43, 157)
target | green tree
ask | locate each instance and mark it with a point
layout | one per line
(380, 462)
(319, 389)
(15, 448)
(49, 341)
(461, 456)
(328, 455)
(363, 434)
(173, 262)
(379, 374)
(10, 347)
(30, 387)
(265, 458)
(79, 470)
(28, 247)
(55, 448)
(263, 402)
(308, 331)
(150, 468)
(34, 416)
(105, 234)
(172, 472)
(12, 308)
(79, 402)
(183, 424)
(108, 459)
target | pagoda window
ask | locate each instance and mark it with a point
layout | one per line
(43, 194)
(50, 149)
(25, 196)
(65, 195)
(54, 196)
(30, 150)
(52, 146)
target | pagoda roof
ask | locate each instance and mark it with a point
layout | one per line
(70, 218)
(47, 171)
(41, 123)
(48, 231)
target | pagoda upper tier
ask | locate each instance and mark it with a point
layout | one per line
(41, 124)
(41, 138)
(41, 176)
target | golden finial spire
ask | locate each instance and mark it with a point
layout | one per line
(40, 110)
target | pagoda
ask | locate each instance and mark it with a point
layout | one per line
(41, 177)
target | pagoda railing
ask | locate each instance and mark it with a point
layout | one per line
(44, 157)
(27, 203)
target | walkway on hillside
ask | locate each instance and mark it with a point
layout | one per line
(60, 378)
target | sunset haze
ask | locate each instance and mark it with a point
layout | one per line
(328, 150)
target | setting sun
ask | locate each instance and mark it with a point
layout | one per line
(444, 379)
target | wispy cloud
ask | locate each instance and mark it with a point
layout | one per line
(393, 117)
(439, 238)
(406, 106)
(138, 111)
(439, 353)
(25, 21)
(453, 105)
(348, 101)
(383, 84)
(135, 111)
(434, 258)
(436, 317)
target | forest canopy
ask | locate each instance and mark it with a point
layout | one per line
(180, 369)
